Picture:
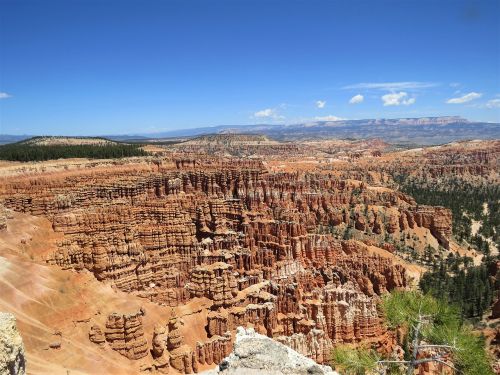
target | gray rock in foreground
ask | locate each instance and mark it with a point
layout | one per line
(257, 354)
(12, 360)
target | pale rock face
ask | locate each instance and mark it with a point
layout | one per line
(257, 354)
(12, 360)
(5, 214)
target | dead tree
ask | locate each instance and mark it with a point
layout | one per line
(417, 348)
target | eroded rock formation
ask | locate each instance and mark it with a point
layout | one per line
(125, 334)
(97, 336)
(257, 354)
(4, 216)
(271, 250)
(182, 357)
(159, 351)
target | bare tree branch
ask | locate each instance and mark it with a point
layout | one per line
(389, 361)
(438, 346)
(416, 349)
(426, 360)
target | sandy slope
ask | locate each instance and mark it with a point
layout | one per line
(47, 300)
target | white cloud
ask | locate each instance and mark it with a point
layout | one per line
(328, 118)
(455, 84)
(357, 99)
(264, 113)
(397, 98)
(390, 86)
(464, 99)
(321, 103)
(4, 95)
(493, 103)
(271, 113)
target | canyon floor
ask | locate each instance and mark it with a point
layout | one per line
(149, 264)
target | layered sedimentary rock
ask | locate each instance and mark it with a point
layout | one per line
(117, 229)
(472, 161)
(216, 282)
(159, 351)
(214, 349)
(125, 334)
(271, 250)
(97, 336)
(182, 357)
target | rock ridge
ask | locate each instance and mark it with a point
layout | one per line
(258, 354)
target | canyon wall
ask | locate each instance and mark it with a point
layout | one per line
(266, 249)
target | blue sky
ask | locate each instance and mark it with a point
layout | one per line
(114, 67)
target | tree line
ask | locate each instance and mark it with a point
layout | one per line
(471, 288)
(26, 152)
(466, 202)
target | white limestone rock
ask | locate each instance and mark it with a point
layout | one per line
(255, 354)
(12, 359)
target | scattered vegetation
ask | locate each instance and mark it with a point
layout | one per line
(445, 327)
(466, 201)
(456, 280)
(355, 361)
(434, 333)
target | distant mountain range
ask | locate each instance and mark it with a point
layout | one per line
(424, 131)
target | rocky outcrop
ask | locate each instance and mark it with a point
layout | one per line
(182, 357)
(115, 225)
(4, 216)
(96, 336)
(437, 220)
(214, 350)
(257, 354)
(159, 352)
(216, 282)
(125, 334)
(12, 357)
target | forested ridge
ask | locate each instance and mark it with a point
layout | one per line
(466, 202)
(27, 152)
(472, 288)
